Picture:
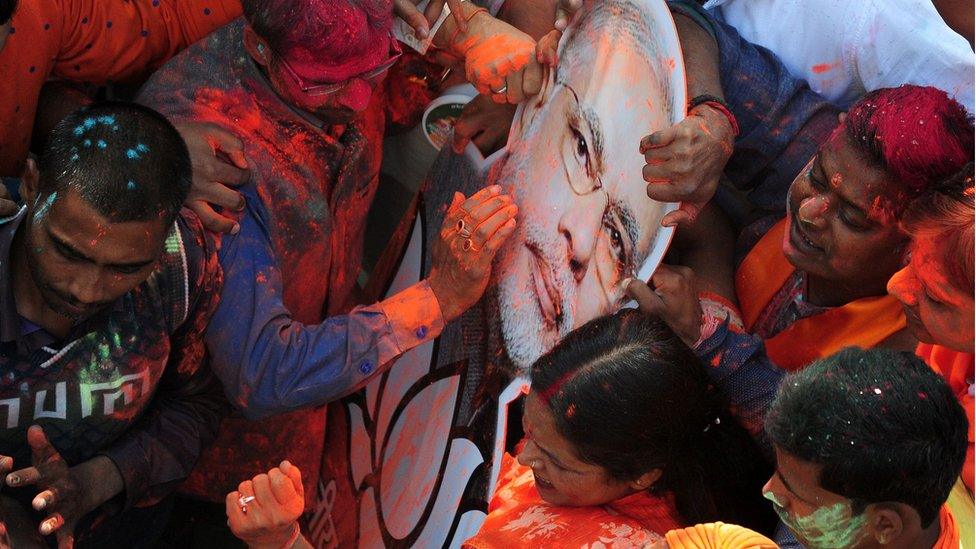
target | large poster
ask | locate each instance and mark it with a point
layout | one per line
(412, 459)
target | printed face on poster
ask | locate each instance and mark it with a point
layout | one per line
(412, 458)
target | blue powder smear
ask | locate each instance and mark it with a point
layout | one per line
(88, 142)
(142, 148)
(131, 154)
(102, 144)
(79, 131)
(130, 185)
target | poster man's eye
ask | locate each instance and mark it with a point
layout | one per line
(581, 151)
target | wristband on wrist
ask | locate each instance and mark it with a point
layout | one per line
(719, 105)
(467, 19)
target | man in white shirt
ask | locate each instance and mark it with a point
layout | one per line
(844, 49)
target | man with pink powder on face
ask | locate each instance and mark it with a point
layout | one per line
(301, 82)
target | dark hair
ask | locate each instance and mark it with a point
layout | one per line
(917, 134)
(7, 8)
(314, 24)
(631, 397)
(946, 215)
(126, 160)
(881, 424)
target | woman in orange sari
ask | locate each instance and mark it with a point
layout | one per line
(624, 441)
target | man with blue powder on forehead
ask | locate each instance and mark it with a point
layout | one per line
(105, 289)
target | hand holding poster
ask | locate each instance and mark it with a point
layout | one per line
(411, 460)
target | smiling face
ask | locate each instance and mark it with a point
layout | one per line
(843, 220)
(561, 477)
(79, 261)
(819, 519)
(936, 309)
(585, 222)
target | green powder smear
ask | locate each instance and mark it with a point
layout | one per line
(831, 527)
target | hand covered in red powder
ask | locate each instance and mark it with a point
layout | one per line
(684, 162)
(499, 57)
(218, 163)
(473, 231)
(271, 519)
(485, 123)
(67, 493)
(673, 297)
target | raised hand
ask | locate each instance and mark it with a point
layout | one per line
(264, 511)
(483, 122)
(66, 493)
(684, 162)
(473, 231)
(420, 22)
(672, 296)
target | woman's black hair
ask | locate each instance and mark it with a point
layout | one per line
(632, 397)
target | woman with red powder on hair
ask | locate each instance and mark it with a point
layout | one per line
(936, 290)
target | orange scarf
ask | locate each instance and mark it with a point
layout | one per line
(519, 517)
(949, 531)
(957, 369)
(863, 322)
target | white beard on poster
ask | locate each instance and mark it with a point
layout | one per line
(412, 459)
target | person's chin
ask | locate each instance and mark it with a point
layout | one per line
(800, 250)
(916, 327)
(523, 330)
(69, 309)
(547, 491)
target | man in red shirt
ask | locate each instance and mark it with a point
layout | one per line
(103, 42)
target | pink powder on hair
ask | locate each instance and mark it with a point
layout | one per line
(340, 39)
(922, 134)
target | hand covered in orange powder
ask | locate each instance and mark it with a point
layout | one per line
(499, 60)
(473, 231)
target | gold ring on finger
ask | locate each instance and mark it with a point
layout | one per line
(467, 245)
(462, 229)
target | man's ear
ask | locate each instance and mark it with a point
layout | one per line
(887, 522)
(29, 182)
(257, 47)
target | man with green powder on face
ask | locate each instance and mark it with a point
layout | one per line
(868, 445)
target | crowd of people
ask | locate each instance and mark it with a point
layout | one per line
(184, 211)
